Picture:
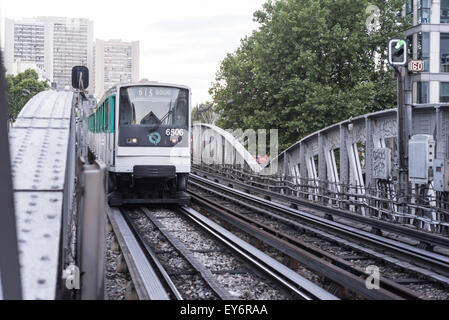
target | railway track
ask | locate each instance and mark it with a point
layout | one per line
(147, 282)
(163, 267)
(424, 240)
(430, 265)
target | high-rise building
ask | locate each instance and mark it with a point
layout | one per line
(53, 44)
(116, 61)
(24, 43)
(428, 40)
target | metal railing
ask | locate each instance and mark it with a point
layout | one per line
(91, 229)
(422, 211)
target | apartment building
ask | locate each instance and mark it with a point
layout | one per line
(116, 61)
(52, 44)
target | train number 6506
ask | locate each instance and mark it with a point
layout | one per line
(174, 132)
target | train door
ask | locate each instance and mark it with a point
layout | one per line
(97, 121)
(102, 134)
(111, 141)
(106, 131)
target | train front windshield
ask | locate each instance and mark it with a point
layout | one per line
(154, 116)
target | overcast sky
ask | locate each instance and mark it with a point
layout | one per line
(181, 41)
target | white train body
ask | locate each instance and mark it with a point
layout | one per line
(142, 132)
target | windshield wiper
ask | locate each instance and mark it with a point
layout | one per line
(170, 111)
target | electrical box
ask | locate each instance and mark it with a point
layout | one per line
(421, 157)
(382, 163)
(441, 175)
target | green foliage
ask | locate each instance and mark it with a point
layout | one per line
(204, 113)
(311, 64)
(28, 80)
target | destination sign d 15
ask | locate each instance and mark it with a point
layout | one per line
(416, 66)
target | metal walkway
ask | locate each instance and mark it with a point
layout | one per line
(39, 143)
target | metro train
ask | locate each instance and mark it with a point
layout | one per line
(142, 132)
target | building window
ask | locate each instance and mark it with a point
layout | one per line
(409, 10)
(444, 11)
(423, 92)
(444, 52)
(410, 47)
(424, 49)
(424, 11)
(444, 92)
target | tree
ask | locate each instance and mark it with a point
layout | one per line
(204, 113)
(21, 88)
(312, 63)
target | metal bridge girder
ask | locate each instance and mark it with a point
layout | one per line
(212, 145)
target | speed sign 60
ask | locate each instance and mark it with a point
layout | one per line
(416, 66)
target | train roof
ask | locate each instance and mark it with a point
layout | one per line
(141, 83)
(144, 83)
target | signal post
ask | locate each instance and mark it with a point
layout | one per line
(397, 57)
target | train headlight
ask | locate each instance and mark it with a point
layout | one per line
(176, 140)
(132, 140)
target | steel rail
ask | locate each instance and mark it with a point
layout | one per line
(428, 238)
(151, 255)
(207, 276)
(329, 266)
(304, 288)
(430, 260)
(377, 255)
(146, 282)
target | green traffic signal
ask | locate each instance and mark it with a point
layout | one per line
(397, 54)
(400, 44)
